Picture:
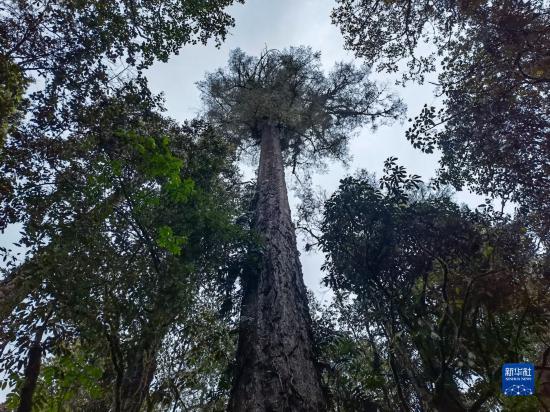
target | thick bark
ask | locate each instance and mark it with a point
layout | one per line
(276, 370)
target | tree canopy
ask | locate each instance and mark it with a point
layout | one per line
(316, 112)
(74, 53)
(494, 79)
(432, 298)
(123, 230)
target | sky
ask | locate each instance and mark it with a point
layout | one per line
(261, 24)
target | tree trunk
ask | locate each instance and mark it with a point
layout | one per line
(447, 396)
(276, 370)
(445, 403)
(137, 379)
(135, 371)
(32, 371)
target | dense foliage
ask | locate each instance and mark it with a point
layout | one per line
(432, 298)
(494, 80)
(121, 244)
(123, 213)
(78, 52)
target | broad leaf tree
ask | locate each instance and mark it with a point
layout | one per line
(432, 298)
(75, 53)
(74, 49)
(494, 80)
(126, 221)
(284, 105)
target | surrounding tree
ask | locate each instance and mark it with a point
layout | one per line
(494, 79)
(76, 48)
(127, 219)
(284, 104)
(76, 53)
(431, 298)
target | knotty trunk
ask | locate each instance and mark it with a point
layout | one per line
(276, 370)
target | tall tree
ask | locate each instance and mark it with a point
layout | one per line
(494, 79)
(283, 104)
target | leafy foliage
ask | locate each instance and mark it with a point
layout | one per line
(194, 371)
(432, 298)
(75, 47)
(316, 112)
(493, 127)
(68, 382)
(137, 220)
(80, 52)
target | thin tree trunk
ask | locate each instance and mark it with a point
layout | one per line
(136, 368)
(32, 371)
(276, 370)
(137, 379)
(132, 387)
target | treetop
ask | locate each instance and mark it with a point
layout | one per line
(315, 111)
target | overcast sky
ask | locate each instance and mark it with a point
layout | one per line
(277, 25)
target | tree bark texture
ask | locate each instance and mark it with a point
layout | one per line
(276, 369)
(137, 379)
